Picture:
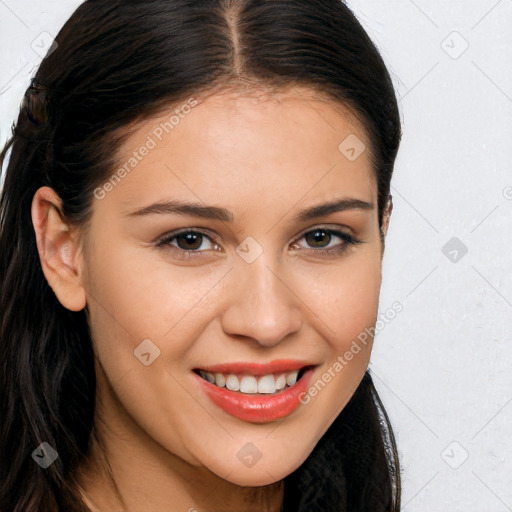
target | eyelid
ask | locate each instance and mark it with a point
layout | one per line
(338, 250)
(327, 227)
(177, 232)
(164, 242)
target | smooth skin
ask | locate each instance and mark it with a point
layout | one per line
(264, 157)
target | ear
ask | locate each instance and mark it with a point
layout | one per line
(59, 249)
(386, 215)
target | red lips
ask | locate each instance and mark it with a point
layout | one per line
(258, 408)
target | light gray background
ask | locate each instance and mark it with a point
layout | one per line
(443, 366)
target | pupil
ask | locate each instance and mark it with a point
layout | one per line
(317, 236)
(190, 239)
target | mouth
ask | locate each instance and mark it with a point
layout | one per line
(256, 393)
(250, 384)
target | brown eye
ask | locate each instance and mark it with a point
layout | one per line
(318, 238)
(326, 242)
(189, 241)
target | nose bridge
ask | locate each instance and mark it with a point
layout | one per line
(263, 307)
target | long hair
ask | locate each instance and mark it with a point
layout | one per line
(116, 62)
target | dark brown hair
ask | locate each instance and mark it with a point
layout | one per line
(117, 62)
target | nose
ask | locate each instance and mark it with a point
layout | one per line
(262, 306)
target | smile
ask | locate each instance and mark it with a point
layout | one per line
(256, 393)
(250, 384)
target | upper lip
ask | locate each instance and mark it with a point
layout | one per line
(257, 369)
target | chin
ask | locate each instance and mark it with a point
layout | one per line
(261, 472)
(253, 477)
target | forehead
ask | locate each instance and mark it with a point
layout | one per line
(233, 146)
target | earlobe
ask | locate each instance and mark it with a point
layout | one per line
(58, 248)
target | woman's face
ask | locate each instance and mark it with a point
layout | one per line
(273, 282)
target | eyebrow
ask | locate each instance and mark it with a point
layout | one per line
(216, 213)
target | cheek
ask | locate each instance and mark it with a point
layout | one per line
(132, 298)
(135, 299)
(347, 304)
(346, 298)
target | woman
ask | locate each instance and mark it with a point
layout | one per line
(192, 229)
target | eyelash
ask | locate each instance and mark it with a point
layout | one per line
(165, 242)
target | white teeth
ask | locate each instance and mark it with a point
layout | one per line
(249, 384)
(220, 380)
(292, 378)
(267, 384)
(281, 382)
(232, 383)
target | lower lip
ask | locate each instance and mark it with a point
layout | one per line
(258, 408)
